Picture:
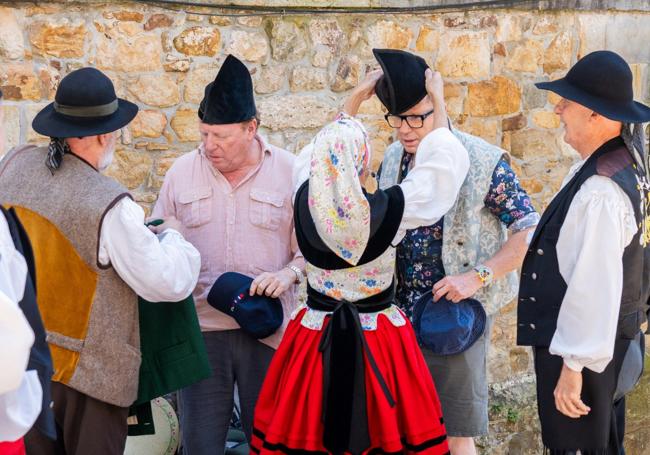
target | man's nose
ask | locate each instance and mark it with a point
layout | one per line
(404, 127)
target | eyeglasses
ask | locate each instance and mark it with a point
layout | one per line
(414, 121)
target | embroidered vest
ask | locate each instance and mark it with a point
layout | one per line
(471, 234)
(90, 314)
(542, 286)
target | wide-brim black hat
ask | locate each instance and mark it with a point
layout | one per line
(403, 84)
(229, 98)
(601, 81)
(85, 104)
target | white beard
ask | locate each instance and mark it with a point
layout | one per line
(107, 158)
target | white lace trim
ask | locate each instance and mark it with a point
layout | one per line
(314, 319)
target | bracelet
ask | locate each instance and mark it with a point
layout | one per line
(297, 271)
(485, 274)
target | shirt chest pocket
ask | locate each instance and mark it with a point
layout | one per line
(195, 206)
(266, 208)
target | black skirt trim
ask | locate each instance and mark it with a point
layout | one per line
(372, 451)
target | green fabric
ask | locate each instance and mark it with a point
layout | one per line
(173, 351)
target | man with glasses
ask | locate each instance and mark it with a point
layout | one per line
(466, 254)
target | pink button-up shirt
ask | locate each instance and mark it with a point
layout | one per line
(246, 229)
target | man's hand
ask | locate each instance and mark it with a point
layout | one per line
(567, 394)
(168, 223)
(362, 92)
(435, 86)
(273, 284)
(457, 287)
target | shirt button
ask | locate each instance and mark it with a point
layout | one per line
(466, 264)
(540, 252)
(230, 195)
(532, 326)
(459, 243)
(534, 276)
(533, 299)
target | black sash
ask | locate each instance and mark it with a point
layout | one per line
(343, 346)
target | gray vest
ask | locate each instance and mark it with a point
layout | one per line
(89, 312)
(471, 234)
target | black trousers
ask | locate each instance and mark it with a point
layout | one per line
(598, 433)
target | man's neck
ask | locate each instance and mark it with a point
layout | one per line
(255, 154)
(597, 142)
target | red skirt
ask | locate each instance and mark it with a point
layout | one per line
(12, 448)
(288, 412)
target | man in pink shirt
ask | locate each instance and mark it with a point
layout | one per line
(233, 196)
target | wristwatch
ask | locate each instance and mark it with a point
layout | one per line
(485, 274)
(297, 271)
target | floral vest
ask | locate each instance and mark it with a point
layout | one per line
(472, 235)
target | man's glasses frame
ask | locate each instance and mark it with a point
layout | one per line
(412, 120)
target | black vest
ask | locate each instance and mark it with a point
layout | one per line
(542, 287)
(39, 357)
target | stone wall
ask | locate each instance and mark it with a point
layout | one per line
(302, 67)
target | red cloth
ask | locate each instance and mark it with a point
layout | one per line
(288, 412)
(12, 448)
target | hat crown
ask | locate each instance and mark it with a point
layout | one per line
(229, 98)
(403, 84)
(85, 87)
(605, 75)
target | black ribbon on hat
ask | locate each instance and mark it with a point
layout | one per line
(343, 346)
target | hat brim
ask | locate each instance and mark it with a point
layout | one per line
(480, 320)
(49, 122)
(632, 112)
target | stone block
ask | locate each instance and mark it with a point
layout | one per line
(148, 123)
(296, 111)
(428, 40)
(558, 54)
(529, 143)
(11, 35)
(10, 118)
(533, 97)
(250, 21)
(19, 82)
(30, 135)
(514, 123)
(164, 162)
(497, 96)
(196, 81)
(160, 90)
(304, 78)
(158, 21)
(526, 57)
(347, 74)
(174, 64)
(125, 16)
(269, 79)
(327, 32)
(464, 55)
(130, 168)
(63, 40)
(546, 119)
(250, 46)
(185, 124)
(288, 43)
(128, 55)
(484, 128)
(220, 20)
(389, 35)
(198, 41)
(509, 27)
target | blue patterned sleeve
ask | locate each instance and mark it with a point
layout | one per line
(508, 201)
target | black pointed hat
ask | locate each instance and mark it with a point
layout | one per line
(403, 84)
(229, 98)
(601, 81)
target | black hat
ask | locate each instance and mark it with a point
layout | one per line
(229, 99)
(403, 84)
(601, 81)
(258, 315)
(85, 105)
